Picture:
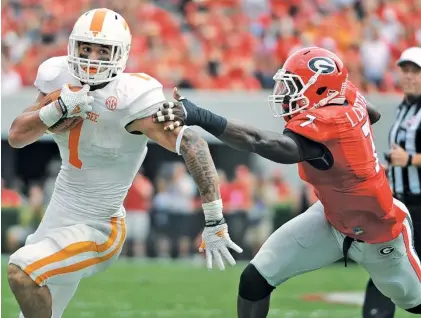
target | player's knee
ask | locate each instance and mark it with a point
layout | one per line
(415, 310)
(17, 278)
(253, 286)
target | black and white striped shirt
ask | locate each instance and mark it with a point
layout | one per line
(406, 133)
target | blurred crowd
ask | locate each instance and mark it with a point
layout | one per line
(164, 216)
(220, 44)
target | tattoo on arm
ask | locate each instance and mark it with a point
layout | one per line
(199, 161)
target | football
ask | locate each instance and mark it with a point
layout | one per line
(63, 124)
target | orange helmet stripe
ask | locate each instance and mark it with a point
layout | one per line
(126, 26)
(98, 20)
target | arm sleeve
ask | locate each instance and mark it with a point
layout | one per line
(49, 75)
(144, 105)
(313, 127)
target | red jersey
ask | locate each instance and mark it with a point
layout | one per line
(354, 191)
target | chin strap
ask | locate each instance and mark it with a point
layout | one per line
(330, 99)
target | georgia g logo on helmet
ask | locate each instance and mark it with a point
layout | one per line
(323, 64)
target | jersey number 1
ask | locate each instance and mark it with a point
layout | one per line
(74, 135)
(367, 133)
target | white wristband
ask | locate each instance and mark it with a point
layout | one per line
(213, 210)
(49, 114)
(179, 139)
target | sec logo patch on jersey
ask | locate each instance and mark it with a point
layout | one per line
(111, 103)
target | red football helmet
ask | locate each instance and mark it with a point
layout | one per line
(311, 77)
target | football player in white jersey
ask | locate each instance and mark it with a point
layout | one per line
(83, 229)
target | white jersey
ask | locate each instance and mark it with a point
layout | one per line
(99, 157)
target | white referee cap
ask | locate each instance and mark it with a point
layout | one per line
(413, 54)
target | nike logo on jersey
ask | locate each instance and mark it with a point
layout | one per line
(76, 110)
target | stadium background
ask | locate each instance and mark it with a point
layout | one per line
(222, 54)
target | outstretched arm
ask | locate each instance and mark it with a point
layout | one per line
(274, 146)
(278, 147)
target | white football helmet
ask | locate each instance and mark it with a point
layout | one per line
(99, 26)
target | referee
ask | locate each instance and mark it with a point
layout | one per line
(404, 165)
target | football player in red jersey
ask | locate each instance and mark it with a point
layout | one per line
(328, 133)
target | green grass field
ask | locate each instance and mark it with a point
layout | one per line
(186, 290)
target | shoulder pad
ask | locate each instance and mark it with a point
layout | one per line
(52, 74)
(132, 87)
(313, 125)
(351, 93)
(138, 92)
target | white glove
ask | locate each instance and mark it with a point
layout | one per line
(76, 103)
(215, 242)
(69, 104)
